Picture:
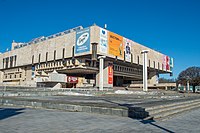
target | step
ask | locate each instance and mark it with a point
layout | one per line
(170, 105)
(174, 107)
(176, 111)
(177, 114)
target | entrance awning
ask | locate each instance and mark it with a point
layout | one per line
(79, 70)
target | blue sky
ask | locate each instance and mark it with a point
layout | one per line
(169, 26)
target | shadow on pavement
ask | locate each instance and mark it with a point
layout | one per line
(9, 112)
(151, 122)
(139, 114)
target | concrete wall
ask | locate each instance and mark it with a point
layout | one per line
(24, 54)
(152, 78)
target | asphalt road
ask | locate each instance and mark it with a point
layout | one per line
(24, 120)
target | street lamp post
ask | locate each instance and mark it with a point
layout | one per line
(188, 83)
(145, 84)
(101, 64)
(188, 86)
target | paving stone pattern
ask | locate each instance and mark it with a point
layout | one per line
(23, 120)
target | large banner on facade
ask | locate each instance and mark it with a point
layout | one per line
(103, 41)
(167, 63)
(110, 74)
(164, 62)
(82, 41)
(115, 43)
(171, 64)
(127, 49)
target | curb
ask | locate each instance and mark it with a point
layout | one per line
(35, 103)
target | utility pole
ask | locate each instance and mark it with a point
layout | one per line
(101, 65)
(145, 84)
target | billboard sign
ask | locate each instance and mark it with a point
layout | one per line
(82, 41)
(103, 41)
(127, 49)
(116, 46)
(71, 79)
(110, 74)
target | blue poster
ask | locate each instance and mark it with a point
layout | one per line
(33, 71)
(82, 41)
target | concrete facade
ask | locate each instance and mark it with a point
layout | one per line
(29, 63)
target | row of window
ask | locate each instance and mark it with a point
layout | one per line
(138, 62)
(54, 57)
(50, 64)
(127, 69)
(9, 61)
(12, 76)
(154, 65)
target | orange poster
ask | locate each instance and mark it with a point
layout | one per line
(115, 43)
(110, 74)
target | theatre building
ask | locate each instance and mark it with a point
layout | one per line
(70, 59)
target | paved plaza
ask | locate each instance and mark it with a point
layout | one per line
(25, 120)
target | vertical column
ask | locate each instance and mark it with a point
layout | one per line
(101, 65)
(145, 85)
(1, 77)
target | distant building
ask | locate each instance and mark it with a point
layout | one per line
(74, 55)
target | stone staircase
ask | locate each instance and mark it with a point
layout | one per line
(159, 109)
(166, 111)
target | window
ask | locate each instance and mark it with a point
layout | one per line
(39, 58)
(154, 64)
(15, 59)
(149, 63)
(131, 58)
(3, 63)
(54, 55)
(124, 56)
(7, 60)
(46, 56)
(11, 61)
(138, 59)
(63, 55)
(158, 66)
(94, 51)
(32, 59)
(73, 51)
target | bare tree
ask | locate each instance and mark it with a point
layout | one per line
(191, 74)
